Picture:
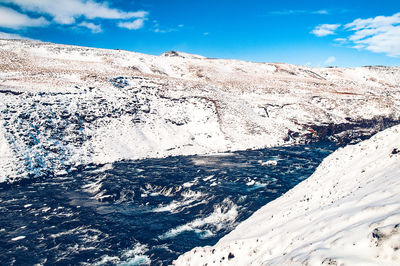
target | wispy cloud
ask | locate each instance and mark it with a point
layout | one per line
(12, 19)
(93, 27)
(67, 11)
(325, 29)
(341, 40)
(159, 29)
(17, 14)
(321, 12)
(380, 34)
(330, 60)
(298, 12)
(12, 36)
(132, 25)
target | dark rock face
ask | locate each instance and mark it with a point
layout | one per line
(171, 54)
(10, 92)
(119, 82)
(354, 130)
(342, 133)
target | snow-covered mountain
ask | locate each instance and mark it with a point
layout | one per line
(63, 106)
(346, 213)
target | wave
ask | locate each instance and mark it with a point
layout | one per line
(223, 216)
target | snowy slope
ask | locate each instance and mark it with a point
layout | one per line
(62, 106)
(346, 213)
(7, 158)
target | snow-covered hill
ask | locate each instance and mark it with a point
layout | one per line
(62, 106)
(346, 213)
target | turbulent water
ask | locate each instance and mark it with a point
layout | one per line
(146, 211)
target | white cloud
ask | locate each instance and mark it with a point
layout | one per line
(67, 11)
(12, 36)
(133, 25)
(321, 12)
(158, 29)
(380, 34)
(340, 40)
(93, 27)
(299, 11)
(12, 19)
(377, 22)
(325, 29)
(330, 60)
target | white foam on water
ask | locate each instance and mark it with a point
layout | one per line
(269, 163)
(95, 188)
(17, 238)
(250, 183)
(188, 184)
(130, 257)
(136, 261)
(165, 191)
(208, 178)
(258, 185)
(223, 215)
(107, 166)
(177, 206)
(218, 154)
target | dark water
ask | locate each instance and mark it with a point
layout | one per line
(147, 211)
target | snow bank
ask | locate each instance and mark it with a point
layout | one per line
(346, 213)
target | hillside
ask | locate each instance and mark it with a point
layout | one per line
(63, 106)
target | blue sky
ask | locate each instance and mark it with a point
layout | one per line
(315, 33)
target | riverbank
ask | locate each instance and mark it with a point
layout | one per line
(346, 213)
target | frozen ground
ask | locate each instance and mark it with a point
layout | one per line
(346, 213)
(63, 106)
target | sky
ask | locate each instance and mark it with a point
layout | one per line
(314, 33)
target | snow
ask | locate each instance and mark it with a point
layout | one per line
(63, 106)
(346, 213)
(7, 158)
